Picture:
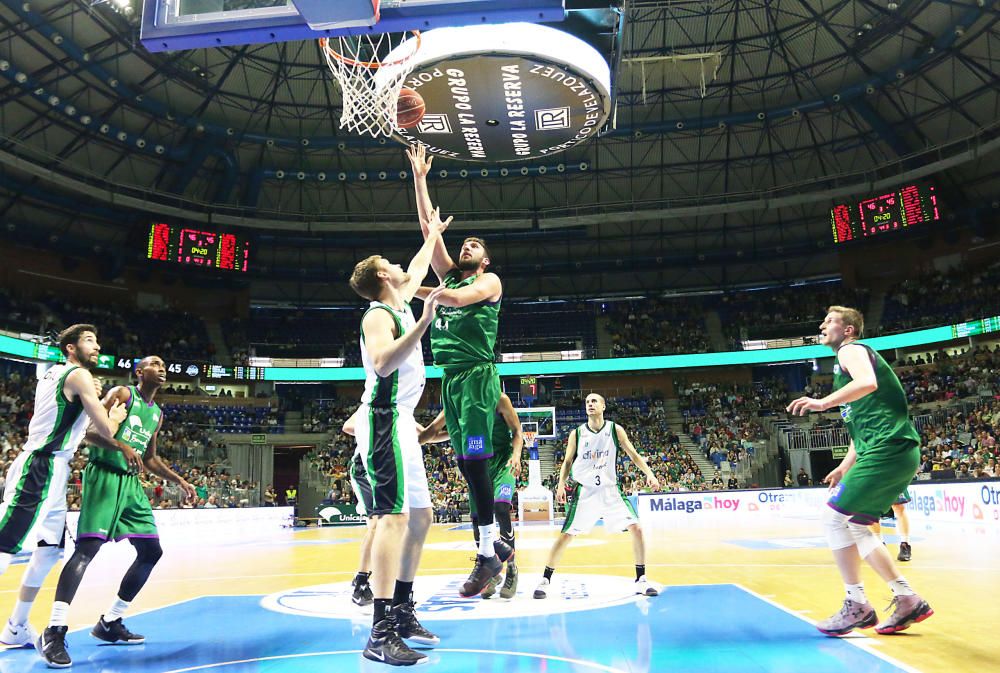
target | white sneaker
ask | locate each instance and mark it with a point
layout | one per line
(646, 588)
(540, 592)
(18, 635)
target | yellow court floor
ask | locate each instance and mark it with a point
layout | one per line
(735, 598)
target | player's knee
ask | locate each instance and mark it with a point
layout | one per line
(42, 560)
(420, 519)
(502, 511)
(835, 526)
(148, 550)
(865, 539)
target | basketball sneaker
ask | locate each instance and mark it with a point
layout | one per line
(504, 551)
(115, 632)
(18, 635)
(51, 647)
(851, 616)
(486, 568)
(509, 588)
(542, 590)
(362, 593)
(491, 588)
(904, 551)
(909, 610)
(645, 587)
(407, 626)
(385, 645)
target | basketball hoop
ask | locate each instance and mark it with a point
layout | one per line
(370, 85)
(529, 439)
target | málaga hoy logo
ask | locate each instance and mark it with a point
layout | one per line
(437, 598)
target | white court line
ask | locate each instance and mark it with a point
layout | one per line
(860, 640)
(549, 657)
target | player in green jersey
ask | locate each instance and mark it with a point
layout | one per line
(463, 336)
(114, 507)
(504, 468)
(881, 460)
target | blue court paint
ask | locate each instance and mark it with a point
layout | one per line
(694, 629)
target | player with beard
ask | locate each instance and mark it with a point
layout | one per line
(463, 337)
(33, 511)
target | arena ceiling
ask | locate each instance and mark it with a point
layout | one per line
(812, 100)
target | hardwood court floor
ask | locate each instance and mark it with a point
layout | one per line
(736, 599)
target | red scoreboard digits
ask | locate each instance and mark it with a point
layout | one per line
(194, 247)
(891, 211)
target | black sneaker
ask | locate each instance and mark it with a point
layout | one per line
(115, 632)
(503, 551)
(385, 645)
(408, 627)
(362, 594)
(51, 646)
(904, 551)
(486, 568)
(509, 588)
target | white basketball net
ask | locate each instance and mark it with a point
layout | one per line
(370, 70)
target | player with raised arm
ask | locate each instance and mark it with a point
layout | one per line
(591, 459)
(463, 337)
(115, 507)
(881, 460)
(504, 467)
(396, 491)
(33, 512)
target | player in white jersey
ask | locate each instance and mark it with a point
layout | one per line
(33, 512)
(591, 459)
(395, 492)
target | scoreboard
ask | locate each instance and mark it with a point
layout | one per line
(905, 207)
(194, 247)
(984, 326)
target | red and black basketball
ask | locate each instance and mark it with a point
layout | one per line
(409, 109)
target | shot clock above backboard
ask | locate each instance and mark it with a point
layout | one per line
(899, 209)
(194, 247)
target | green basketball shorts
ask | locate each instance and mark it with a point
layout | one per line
(875, 481)
(114, 506)
(469, 398)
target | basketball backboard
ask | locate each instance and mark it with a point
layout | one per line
(169, 25)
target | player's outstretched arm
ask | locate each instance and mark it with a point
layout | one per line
(506, 409)
(156, 465)
(486, 287)
(436, 431)
(379, 331)
(566, 466)
(440, 260)
(81, 383)
(421, 261)
(626, 443)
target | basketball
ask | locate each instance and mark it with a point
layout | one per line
(409, 109)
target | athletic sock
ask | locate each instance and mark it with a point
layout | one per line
(117, 610)
(640, 570)
(548, 573)
(904, 538)
(381, 609)
(856, 592)
(60, 614)
(900, 587)
(487, 534)
(362, 578)
(21, 611)
(401, 594)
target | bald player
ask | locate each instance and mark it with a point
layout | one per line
(591, 459)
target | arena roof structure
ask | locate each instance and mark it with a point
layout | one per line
(737, 124)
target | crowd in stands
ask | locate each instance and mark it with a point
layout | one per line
(964, 443)
(941, 297)
(724, 419)
(656, 326)
(783, 312)
(123, 329)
